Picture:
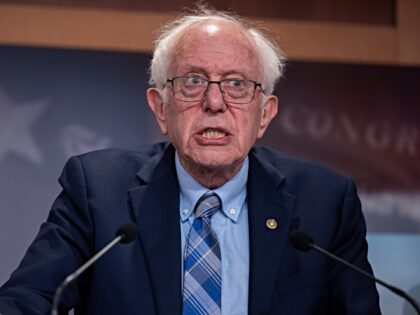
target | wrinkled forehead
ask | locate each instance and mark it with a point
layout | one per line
(224, 37)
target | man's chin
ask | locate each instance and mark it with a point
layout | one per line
(217, 162)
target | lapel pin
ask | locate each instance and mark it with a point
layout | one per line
(271, 224)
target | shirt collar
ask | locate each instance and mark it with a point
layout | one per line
(232, 193)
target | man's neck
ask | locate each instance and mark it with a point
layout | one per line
(211, 178)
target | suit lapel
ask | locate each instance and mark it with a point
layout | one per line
(267, 200)
(156, 209)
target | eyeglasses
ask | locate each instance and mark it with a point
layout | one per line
(233, 90)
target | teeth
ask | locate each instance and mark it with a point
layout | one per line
(213, 133)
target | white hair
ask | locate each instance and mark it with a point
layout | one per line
(271, 58)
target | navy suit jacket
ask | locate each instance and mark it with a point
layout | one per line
(104, 189)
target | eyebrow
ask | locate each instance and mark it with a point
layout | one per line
(201, 70)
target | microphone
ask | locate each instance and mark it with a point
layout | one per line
(125, 234)
(304, 242)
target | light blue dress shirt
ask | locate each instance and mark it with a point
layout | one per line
(231, 228)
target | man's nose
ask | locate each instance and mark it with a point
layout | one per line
(213, 99)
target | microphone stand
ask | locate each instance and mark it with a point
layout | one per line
(396, 290)
(126, 233)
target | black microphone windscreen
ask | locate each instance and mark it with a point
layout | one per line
(128, 232)
(301, 240)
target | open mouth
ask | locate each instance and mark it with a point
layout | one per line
(213, 136)
(213, 133)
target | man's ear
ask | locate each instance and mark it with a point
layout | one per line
(269, 111)
(157, 105)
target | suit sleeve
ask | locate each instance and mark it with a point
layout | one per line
(62, 244)
(350, 292)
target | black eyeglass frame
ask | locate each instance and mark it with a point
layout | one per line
(256, 84)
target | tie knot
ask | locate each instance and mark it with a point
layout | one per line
(207, 205)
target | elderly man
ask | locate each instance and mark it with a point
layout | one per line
(214, 212)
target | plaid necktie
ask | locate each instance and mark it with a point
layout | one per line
(202, 267)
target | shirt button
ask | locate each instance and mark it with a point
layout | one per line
(185, 211)
(232, 211)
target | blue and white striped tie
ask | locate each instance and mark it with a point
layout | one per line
(202, 266)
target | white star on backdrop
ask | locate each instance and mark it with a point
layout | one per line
(77, 139)
(16, 121)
